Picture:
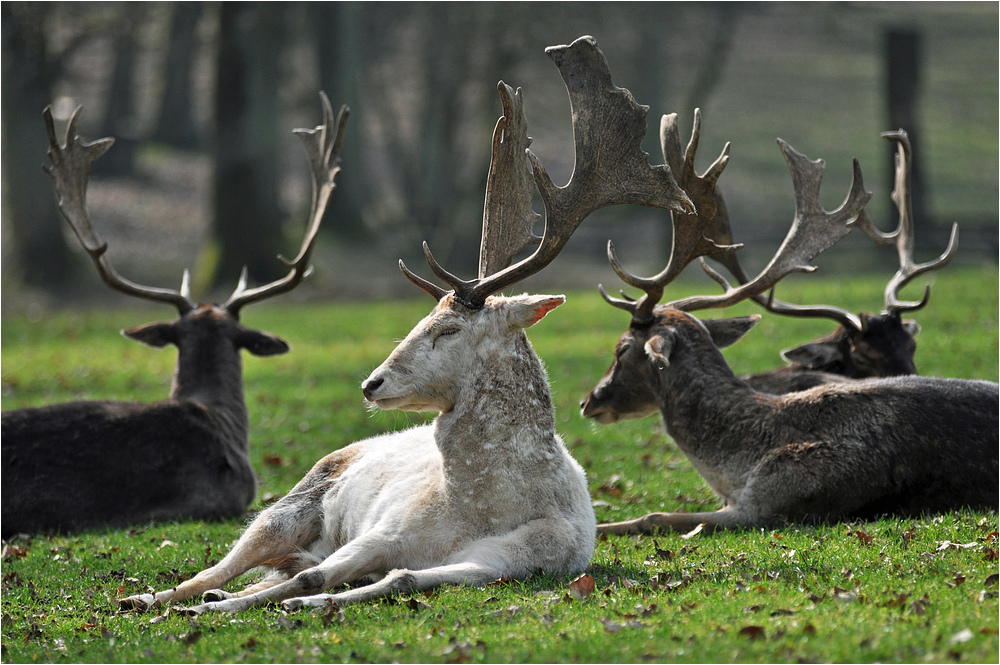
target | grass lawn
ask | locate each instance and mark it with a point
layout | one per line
(887, 590)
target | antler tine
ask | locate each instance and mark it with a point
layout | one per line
(721, 231)
(813, 230)
(691, 236)
(610, 168)
(322, 148)
(72, 162)
(903, 235)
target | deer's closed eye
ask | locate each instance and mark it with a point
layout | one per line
(447, 332)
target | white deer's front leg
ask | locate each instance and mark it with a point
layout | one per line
(400, 582)
(358, 558)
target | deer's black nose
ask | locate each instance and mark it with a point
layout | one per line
(370, 386)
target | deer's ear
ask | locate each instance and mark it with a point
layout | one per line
(261, 343)
(156, 335)
(526, 311)
(659, 347)
(729, 331)
(813, 355)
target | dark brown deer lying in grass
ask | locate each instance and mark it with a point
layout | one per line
(905, 445)
(92, 464)
(488, 490)
(864, 345)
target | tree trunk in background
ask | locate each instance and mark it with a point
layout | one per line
(176, 125)
(120, 119)
(903, 88)
(337, 27)
(42, 257)
(247, 219)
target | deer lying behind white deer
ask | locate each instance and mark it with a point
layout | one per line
(904, 445)
(488, 490)
(864, 345)
(91, 464)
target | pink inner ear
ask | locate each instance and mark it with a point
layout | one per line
(542, 310)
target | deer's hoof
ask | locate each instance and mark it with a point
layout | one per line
(215, 595)
(292, 604)
(142, 602)
(197, 610)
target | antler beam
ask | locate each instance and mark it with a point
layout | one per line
(610, 168)
(72, 162)
(322, 147)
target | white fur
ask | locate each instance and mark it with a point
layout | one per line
(487, 491)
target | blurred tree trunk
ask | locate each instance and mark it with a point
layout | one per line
(176, 125)
(903, 89)
(247, 219)
(340, 53)
(725, 21)
(42, 257)
(120, 118)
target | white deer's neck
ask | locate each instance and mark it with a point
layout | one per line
(214, 379)
(500, 435)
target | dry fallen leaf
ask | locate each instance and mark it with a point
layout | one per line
(583, 586)
(753, 632)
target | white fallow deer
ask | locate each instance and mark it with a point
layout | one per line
(864, 345)
(904, 445)
(488, 490)
(97, 464)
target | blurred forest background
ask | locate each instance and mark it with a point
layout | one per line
(205, 173)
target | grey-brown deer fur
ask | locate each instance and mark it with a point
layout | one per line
(91, 464)
(79, 465)
(905, 445)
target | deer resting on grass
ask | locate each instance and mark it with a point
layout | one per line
(488, 490)
(863, 345)
(92, 464)
(904, 445)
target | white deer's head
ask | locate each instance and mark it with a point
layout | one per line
(445, 351)
(470, 324)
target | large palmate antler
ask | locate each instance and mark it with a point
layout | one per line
(690, 231)
(813, 230)
(902, 237)
(73, 160)
(610, 168)
(322, 147)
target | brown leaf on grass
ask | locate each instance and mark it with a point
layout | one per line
(991, 580)
(863, 536)
(271, 459)
(809, 629)
(333, 613)
(11, 552)
(416, 605)
(582, 586)
(753, 632)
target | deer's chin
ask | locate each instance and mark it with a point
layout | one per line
(405, 404)
(607, 415)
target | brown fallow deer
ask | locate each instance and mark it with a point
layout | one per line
(904, 445)
(488, 490)
(863, 345)
(94, 464)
